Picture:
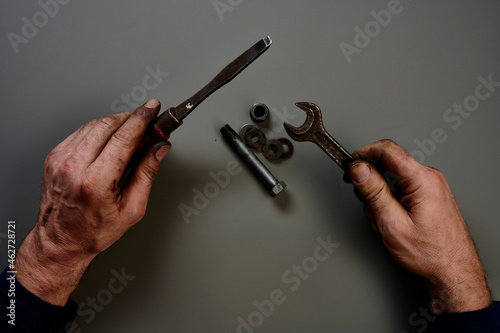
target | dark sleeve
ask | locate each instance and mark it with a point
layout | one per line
(28, 312)
(481, 321)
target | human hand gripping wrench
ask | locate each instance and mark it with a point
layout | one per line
(416, 221)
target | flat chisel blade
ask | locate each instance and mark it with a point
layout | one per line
(172, 118)
(226, 75)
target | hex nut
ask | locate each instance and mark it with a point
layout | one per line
(272, 150)
(255, 138)
(259, 112)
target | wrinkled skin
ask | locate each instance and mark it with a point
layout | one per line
(83, 210)
(423, 229)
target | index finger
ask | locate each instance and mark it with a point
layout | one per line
(124, 142)
(387, 155)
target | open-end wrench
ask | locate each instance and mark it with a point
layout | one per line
(314, 131)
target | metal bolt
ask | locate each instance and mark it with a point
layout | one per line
(248, 157)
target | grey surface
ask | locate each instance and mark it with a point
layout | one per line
(201, 277)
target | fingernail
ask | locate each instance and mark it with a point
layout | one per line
(152, 103)
(162, 151)
(359, 172)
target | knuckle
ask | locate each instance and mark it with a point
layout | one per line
(123, 138)
(437, 172)
(388, 143)
(108, 120)
(91, 123)
(142, 113)
(373, 195)
(436, 182)
(150, 172)
(83, 130)
(87, 189)
(49, 159)
(49, 166)
(391, 146)
(68, 168)
(393, 229)
(64, 175)
(137, 215)
(89, 186)
(375, 148)
(436, 176)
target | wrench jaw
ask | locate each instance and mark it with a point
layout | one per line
(298, 133)
(314, 131)
(292, 132)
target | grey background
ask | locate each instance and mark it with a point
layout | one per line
(200, 277)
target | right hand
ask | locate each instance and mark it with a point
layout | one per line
(423, 230)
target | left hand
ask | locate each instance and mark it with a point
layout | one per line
(83, 210)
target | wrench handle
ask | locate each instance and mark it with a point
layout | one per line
(160, 130)
(333, 149)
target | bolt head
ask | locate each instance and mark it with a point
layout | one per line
(278, 188)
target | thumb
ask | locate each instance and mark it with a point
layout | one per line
(136, 192)
(374, 191)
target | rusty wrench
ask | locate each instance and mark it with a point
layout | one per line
(172, 118)
(314, 131)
